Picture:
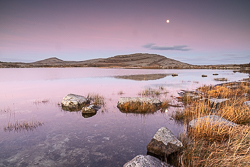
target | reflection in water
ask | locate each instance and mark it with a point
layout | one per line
(144, 77)
(22, 126)
(88, 115)
(109, 138)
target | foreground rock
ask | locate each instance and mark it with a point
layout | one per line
(164, 143)
(138, 104)
(73, 102)
(145, 161)
(212, 120)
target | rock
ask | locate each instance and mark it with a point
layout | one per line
(91, 109)
(164, 143)
(145, 161)
(215, 74)
(138, 104)
(212, 120)
(73, 102)
(220, 79)
(214, 102)
(174, 75)
(247, 103)
(203, 75)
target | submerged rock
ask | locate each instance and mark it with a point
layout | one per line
(145, 161)
(164, 143)
(212, 120)
(138, 104)
(203, 75)
(91, 109)
(73, 102)
(220, 79)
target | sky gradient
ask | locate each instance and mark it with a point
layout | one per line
(199, 32)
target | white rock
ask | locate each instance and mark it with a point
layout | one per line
(74, 100)
(211, 119)
(145, 161)
(166, 136)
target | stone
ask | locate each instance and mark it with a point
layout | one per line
(203, 75)
(174, 75)
(247, 103)
(220, 79)
(145, 161)
(148, 100)
(138, 104)
(212, 120)
(164, 143)
(214, 102)
(73, 102)
(91, 109)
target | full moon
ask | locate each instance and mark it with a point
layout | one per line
(167, 21)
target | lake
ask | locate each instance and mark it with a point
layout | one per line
(109, 138)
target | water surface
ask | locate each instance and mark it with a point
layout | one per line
(109, 138)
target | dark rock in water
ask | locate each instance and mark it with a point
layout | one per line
(146, 161)
(138, 104)
(203, 75)
(212, 120)
(73, 102)
(164, 143)
(174, 75)
(88, 115)
(215, 74)
(220, 79)
(91, 109)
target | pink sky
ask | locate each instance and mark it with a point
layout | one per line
(209, 32)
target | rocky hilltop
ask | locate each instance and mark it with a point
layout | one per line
(137, 60)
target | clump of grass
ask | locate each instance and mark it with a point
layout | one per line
(44, 101)
(96, 99)
(209, 146)
(23, 125)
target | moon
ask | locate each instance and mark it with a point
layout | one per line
(167, 21)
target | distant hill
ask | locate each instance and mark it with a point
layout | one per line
(137, 60)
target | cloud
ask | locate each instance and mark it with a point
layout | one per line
(152, 46)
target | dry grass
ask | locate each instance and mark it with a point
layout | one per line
(134, 107)
(217, 145)
(96, 99)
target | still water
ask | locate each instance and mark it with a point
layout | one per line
(109, 138)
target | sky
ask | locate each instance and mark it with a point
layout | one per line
(199, 32)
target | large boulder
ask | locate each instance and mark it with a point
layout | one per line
(73, 102)
(212, 120)
(138, 104)
(145, 161)
(164, 143)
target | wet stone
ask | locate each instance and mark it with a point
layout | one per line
(145, 161)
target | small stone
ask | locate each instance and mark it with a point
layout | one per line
(74, 102)
(247, 103)
(89, 109)
(203, 75)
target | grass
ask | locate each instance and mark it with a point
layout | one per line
(134, 107)
(120, 92)
(149, 92)
(23, 125)
(213, 144)
(96, 99)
